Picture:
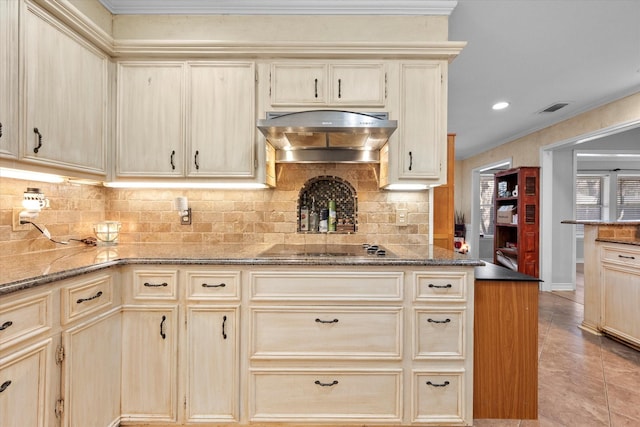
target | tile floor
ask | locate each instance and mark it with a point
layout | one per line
(584, 380)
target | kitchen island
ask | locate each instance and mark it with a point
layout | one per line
(239, 334)
(612, 279)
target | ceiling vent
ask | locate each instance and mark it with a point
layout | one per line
(554, 107)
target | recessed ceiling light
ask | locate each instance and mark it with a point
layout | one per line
(500, 105)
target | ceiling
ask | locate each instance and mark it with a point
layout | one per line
(530, 53)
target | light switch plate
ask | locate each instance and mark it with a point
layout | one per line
(402, 217)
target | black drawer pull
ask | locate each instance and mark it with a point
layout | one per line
(155, 285)
(173, 165)
(626, 257)
(326, 321)
(438, 321)
(339, 88)
(162, 334)
(4, 385)
(0, 130)
(326, 384)
(221, 285)
(37, 132)
(410, 160)
(195, 160)
(316, 88)
(447, 286)
(224, 322)
(444, 384)
(5, 325)
(81, 300)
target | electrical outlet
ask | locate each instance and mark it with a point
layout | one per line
(16, 226)
(402, 217)
(186, 219)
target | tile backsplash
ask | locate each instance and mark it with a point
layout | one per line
(219, 216)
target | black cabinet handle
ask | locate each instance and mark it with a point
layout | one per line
(224, 322)
(162, 334)
(448, 285)
(316, 88)
(339, 88)
(221, 285)
(438, 321)
(410, 160)
(626, 257)
(173, 154)
(334, 382)
(81, 300)
(155, 285)
(326, 321)
(4, 385)
(37, 132)
(5, 325)
(444, 384)
(0, 130)
(195, 160)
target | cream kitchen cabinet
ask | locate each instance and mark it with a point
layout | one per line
(65, 98)
(150, 341)
(328, 84)
(193, 119)
(91, 338)
(150, 119)
(27, 366)
(212, 377)
(416, 152)
(9, 31)
(620, 282)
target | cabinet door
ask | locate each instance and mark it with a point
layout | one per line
(213, 379)
(357, 84)
(149, 363)
(421, 136)
(66, 96)
(9, 11)
(221, 119)
(92, 356)
(298, 84)
(150, 119)
(621, 299)
(23, 386)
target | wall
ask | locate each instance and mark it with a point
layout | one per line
(218, 216)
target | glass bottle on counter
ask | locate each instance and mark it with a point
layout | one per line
(313, 217)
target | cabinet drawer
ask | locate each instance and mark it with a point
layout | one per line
(88, 296)
(316, 332)
(213, 285)
(440, 286)
(155, 285)
(324, 395)
(439, 334)
(627, 256)
(438, 397)
(24, 318)
(326, 286)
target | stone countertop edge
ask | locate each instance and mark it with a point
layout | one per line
(591, 222)
(498, 273)
(35, 269)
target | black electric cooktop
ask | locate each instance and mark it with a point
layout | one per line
(327, 250)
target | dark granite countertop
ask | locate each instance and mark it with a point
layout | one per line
(499, 273)
(591, 222)
(24, 271)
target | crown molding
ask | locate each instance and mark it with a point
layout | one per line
(280, 7)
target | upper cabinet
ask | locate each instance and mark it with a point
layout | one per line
(416, 152)
(9, 17)
(194, 119)
(326, 84)
(66, 95)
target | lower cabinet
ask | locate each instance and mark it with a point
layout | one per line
(92, 357)
(24, 376)
(149, 363)
(212, 390)
(621, 299)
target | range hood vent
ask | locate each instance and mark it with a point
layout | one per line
(327, 136)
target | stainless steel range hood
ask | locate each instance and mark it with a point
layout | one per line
(327, 136)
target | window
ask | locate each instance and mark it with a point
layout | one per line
(588, 199)
(628, 198)
(487, 193)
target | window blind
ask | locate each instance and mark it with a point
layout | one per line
(628, 197)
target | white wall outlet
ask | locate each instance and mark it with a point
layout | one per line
(16, 226)
(402, 217)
